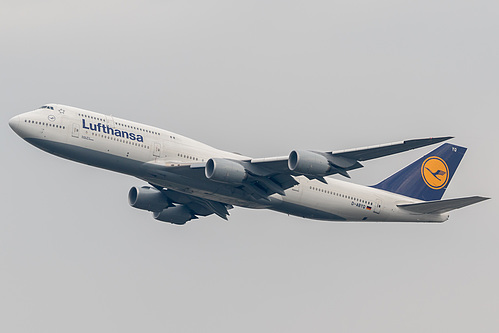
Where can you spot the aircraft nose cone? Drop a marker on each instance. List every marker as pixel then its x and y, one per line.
pixel 14 123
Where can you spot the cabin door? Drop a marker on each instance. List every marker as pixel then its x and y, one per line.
pixel 377 206
pixel 110 121
pixel 157 149
pixel 75 131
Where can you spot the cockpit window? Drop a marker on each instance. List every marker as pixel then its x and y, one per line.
pixel 47 107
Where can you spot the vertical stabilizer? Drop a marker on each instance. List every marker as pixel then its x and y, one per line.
pixel 427 178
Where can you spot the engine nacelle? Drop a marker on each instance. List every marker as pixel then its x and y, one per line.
pixel 225 171
pixel 177 215
pixel 308 163
pixel 147 198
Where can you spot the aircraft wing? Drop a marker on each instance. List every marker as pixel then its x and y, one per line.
pixel 342 161
pixel 262 177
pixel 369 153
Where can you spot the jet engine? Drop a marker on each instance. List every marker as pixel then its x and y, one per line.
pixel 225 171
pixel 147 198
pixel 308 163
pixel 176 215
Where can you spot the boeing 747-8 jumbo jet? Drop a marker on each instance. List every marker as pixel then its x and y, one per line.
pixel 187 179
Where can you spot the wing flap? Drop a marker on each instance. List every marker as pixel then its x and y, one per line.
pixel 196 205
pixel 441 206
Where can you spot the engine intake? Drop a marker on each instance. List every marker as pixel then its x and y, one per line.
pixel 308 163
pixel 147 198
pixel 225 171
pixel 175 215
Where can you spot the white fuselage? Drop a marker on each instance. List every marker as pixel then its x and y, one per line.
pixel 125 146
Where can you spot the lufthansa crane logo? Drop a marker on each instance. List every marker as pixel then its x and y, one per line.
pixel 435 172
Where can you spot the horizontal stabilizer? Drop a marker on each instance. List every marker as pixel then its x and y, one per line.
pixel 441 206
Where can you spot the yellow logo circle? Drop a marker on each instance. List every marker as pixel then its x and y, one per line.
pixel 435 172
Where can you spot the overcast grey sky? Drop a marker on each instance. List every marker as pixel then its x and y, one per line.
pixel 260 78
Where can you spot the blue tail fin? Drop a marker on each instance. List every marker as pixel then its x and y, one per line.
pixel 427 178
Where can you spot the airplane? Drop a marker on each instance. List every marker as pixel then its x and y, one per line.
pixel 188 179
